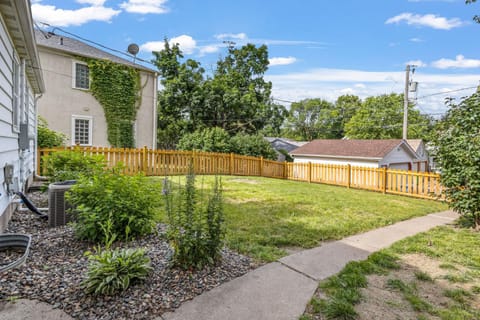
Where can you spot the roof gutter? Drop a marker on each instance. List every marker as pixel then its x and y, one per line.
pixel 334 157
pixel 26 25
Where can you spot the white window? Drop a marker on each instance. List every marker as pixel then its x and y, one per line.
pixel 16 96
pixel 82 130
pixel 81 75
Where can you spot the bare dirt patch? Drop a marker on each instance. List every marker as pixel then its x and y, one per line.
pixel 382 302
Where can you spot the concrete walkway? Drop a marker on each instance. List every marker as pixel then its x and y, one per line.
pixel 278 290
pixel 281 290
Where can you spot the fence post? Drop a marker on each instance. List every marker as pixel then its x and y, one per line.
pixel 38 162
pixel 232 162
pixel 285 170
pixel 145 160
pixel 384 182
pixel 261 166
pixel 193 161
pixel 309 172
pixel 349 176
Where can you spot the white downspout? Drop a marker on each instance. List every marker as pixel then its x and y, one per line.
pixel 155 93
pixel 21 110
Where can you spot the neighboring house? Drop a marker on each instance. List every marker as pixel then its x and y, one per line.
pixel 20 85
pixel 283 145
pixel 393 154
pixel 70 108
pixel 423 157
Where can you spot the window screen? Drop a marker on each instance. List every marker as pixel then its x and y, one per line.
pixel 81 76
pixel 82 131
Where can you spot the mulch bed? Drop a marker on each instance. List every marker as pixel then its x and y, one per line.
pixel 57 265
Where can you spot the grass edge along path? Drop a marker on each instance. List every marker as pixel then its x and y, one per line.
pixel 267 218
pixel 449 245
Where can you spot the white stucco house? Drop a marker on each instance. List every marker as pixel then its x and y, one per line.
pixel 392 154
pixel 21 84
pixel 68 105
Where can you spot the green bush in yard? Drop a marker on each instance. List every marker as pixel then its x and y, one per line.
pixel 457 151
pixel 128 201
pixel 112 271
pixel 70 165
pixel 196 231
pixel 48 138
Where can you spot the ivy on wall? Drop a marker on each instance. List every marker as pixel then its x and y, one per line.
pixel 117 88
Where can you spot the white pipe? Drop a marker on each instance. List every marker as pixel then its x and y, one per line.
pixel 155 93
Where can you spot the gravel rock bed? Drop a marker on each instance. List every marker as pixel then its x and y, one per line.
pixel 56 266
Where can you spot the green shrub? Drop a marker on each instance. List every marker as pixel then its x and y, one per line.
pixel 196 232
pixel 48 138
pixel 111 271
pixel 70 165
pixel 128 201
pixel 208 140
pixel 252 145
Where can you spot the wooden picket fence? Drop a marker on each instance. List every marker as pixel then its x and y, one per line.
pixel 173 162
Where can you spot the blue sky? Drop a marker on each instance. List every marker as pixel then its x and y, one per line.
pixel 317 48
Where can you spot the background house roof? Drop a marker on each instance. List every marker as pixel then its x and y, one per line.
pixel 415 143
pixel 76 47
pixel 349 148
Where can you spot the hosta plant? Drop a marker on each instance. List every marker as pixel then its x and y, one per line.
pixel 112 271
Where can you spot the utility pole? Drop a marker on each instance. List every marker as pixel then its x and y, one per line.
pixel 405 102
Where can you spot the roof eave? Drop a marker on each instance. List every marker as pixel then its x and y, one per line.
pixel 335 157
pixel 19 22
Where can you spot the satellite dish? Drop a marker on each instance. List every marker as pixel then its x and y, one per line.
pixel 133 49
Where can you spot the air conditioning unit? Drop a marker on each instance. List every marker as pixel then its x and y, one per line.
pixel 58 208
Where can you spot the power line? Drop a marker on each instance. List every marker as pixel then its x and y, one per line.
pixel 93 42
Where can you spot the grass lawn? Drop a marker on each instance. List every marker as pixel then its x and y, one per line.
pixel 265 217
pixel 433 275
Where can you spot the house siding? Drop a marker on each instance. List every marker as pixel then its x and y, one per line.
pixel 23 161
pixel 61 101
pixel 336 161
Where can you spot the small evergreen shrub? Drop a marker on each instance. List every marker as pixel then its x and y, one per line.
pixel 70 165
pixel 128 201
pixel 112 271
pixel 196 231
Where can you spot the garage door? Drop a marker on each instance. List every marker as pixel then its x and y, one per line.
pixel 399 166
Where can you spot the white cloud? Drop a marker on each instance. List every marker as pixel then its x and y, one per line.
pixel 427 20
pixel 234 36
pixel 186 43
pixel 95 3
pixel 282 61
pixel 417 63
pixel 64 18
pixel 331 83
pixel 416 40
pixel 459 62
pixel 208 49
pixel 144 6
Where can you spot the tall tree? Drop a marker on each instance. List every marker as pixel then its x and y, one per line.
pixel 181 94
pixel 381 117
pixel 237 98
pixel 312 119
pixel 457 151
pixel 346 106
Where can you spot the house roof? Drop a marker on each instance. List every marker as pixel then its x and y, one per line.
pixel 376 149
pixel 415 143
pixel 18 19
pixel 79 48
pixel 290 141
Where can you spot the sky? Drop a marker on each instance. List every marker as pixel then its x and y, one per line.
pixel 317 48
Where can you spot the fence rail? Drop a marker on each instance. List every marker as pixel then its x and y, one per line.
pixel 169 162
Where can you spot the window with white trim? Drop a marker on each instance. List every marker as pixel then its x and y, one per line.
pixel 16 99
pixel 81 75
pixel 82 130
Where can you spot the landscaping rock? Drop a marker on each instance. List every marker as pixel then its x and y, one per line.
pixel 57 265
